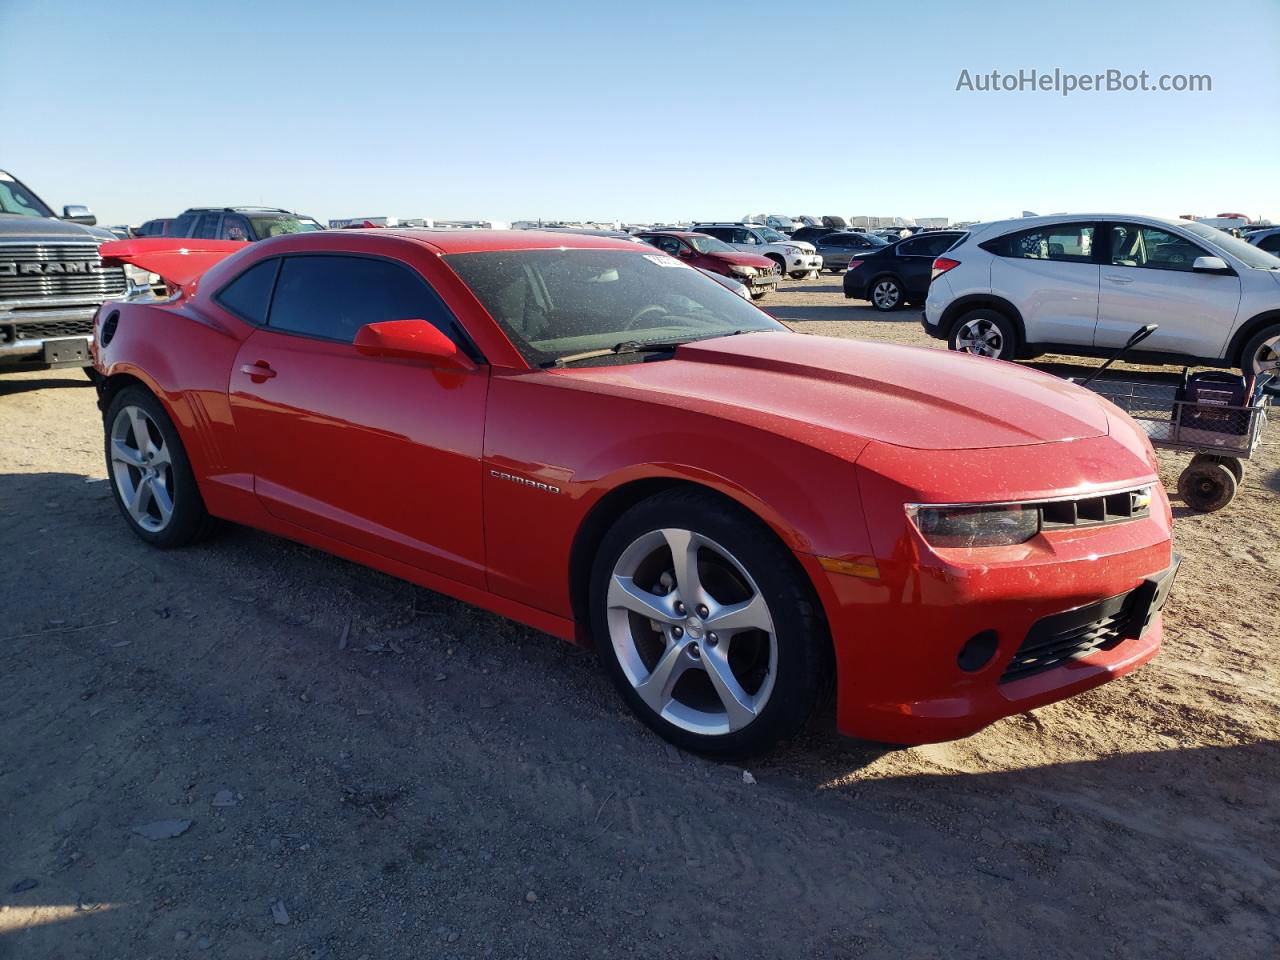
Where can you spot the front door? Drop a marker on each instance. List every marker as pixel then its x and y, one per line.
pixel 380 453
pixel 1148 279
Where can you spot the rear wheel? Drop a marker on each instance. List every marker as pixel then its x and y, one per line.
pixel 1207 487
pixel 887 294
pixel 706 625
pixel 985 333
pixel 150 474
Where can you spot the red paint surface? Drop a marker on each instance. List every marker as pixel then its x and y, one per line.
pixel 391 462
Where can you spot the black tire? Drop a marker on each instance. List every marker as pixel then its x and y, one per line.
pixel 887 294
pixel 760 294
pixel 1004 344
pixel 803 663
pixel 1255 357
pixel 189 521
pixel 92 374
pixel 1231 463
pixel 1206 487
pixel 780 263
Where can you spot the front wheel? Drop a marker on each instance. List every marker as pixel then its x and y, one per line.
pixel 984 333
pixel 1262 353
pixel 150 474
pixel 706 625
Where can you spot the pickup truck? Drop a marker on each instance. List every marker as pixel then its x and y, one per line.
pixel 52 281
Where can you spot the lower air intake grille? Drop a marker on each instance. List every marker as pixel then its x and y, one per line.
pixel 49 329
pixel 1068 636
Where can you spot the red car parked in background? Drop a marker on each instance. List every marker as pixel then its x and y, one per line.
pixel 759 274
pixel 584 435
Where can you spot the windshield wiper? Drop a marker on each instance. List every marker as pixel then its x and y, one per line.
pixel 634 346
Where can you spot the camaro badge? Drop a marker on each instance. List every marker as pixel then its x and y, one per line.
pixel 524 481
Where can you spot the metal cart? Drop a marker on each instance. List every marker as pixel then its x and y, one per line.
pixel 1219 434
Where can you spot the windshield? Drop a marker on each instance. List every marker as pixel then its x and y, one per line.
pixel 773 236
pixel 553 303
pixel 275 226
pixel 308 225
pixel 1242 250
pixel 19 201
pixel 709 245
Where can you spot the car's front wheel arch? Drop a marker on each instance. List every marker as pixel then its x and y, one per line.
pixel 791 681
pixel 1248 331
pixel 605 512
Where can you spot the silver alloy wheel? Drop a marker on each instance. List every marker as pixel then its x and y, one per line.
pixel 692 632
pixel 141 468
pixel 1267 359
pixel 886 294
pixel 980 336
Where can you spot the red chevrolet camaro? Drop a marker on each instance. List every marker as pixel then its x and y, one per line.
pixel 588 436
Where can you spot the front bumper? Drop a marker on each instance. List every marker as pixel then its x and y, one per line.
pixel 903 622
pixel 44 339
pixel 803 263
pixel 904 684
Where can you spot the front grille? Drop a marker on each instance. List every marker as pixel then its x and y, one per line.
pixel 1063 637
pixel 23 273
pixel 1090 511
pixel 50 329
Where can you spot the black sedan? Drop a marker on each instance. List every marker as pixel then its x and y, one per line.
pixel 837 249
pixel 898 273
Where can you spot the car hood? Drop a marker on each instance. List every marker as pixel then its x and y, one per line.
pixel 913 397
pixel 742 259
pixel 41 229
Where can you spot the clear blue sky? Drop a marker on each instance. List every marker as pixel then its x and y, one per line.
pixel 636 111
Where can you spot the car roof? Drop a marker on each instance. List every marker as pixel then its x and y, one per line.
pixel 672 233
pixel 237 210
pixel 447 241
pixel 1072 217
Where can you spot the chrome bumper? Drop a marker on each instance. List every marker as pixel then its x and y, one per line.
pixel 31 348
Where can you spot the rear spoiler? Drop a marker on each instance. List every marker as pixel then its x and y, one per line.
pixel 178 260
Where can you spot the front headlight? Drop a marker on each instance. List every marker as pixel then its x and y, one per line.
pixel 743 271
pixel 793 250
pixel 975 526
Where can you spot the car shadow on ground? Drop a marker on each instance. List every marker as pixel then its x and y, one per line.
pixel 13 386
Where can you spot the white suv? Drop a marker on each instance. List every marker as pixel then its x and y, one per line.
pixel 1082 284
pixel 795 258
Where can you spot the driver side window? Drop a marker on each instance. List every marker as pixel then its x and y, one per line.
pixel 668 245
pixel 332 296
pixel 1134 245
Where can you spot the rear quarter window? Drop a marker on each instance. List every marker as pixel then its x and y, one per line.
pixel 248 296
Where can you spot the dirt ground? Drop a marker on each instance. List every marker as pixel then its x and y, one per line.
pixel 450 784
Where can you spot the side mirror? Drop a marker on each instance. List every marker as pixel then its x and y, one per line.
pixel 411 340
pixel 78 214
pixel 1210 265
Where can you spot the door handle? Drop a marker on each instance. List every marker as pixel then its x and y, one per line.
pixel 258 372
pixel 1121 279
